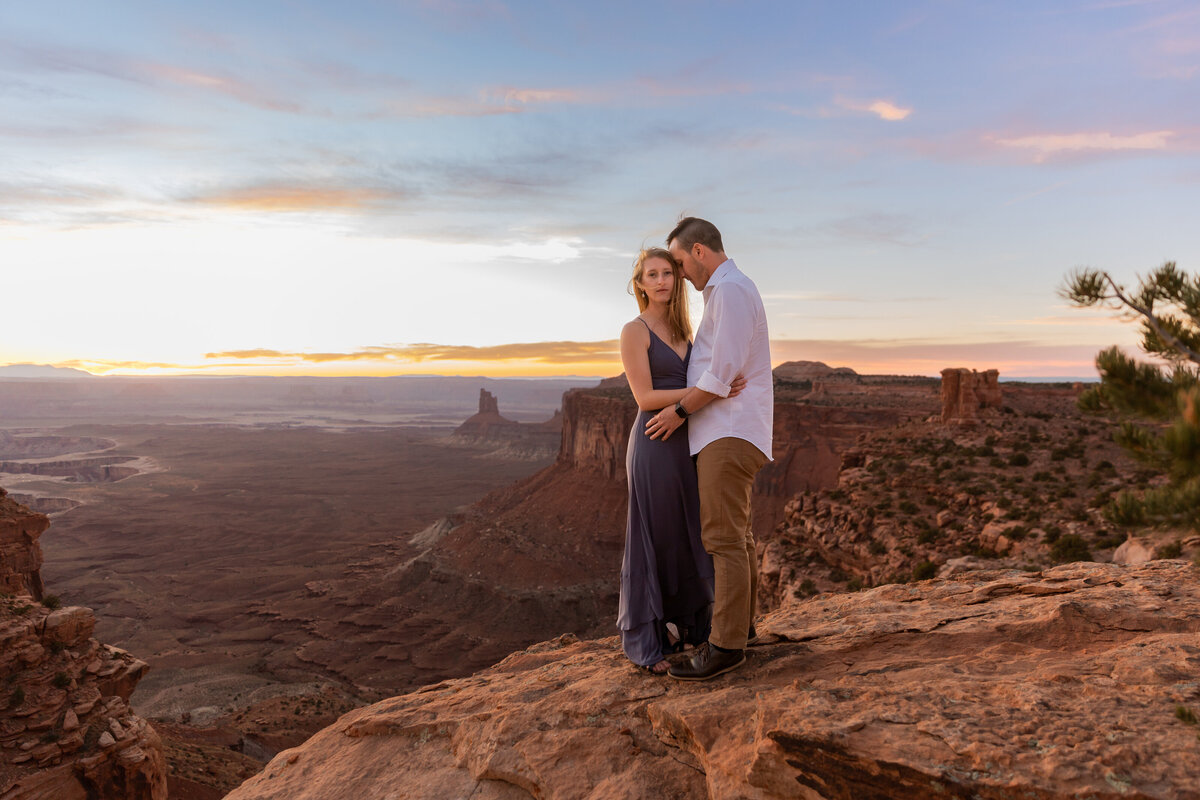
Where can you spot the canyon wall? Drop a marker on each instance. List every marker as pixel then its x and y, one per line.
pixel 66 729
pixel 595 432
pixel 20 553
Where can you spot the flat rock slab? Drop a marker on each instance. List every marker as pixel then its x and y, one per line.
pixel 1053 685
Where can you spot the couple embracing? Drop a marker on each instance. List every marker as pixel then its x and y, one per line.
pixel 689 575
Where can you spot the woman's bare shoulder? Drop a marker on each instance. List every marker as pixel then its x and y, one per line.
pixel 636 329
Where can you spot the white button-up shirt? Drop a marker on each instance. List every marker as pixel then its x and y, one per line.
pixel 732 339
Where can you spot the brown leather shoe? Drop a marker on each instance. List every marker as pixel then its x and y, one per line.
pixel 751 636
pixel 709 662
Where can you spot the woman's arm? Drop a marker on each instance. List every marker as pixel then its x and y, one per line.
pixel 635 342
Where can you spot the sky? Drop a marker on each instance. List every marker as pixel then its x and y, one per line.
pixel 416 186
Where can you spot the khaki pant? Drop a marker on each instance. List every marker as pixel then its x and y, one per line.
pixel 725 470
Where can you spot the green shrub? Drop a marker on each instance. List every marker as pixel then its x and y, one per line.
pixel 1172 550
pixel 1070 547
pixel 1016 533
pixel 61 680
pixel 1126 509
pixel 924 571
pixel 52 602
pixel 1185 715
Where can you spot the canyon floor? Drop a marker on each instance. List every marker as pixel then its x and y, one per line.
pixel 178 560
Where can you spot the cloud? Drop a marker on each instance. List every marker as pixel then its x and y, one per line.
pixel 867 356
pixel 101 366
pixel 1046 146
pixel 55 194
pixel 488 101
pixel 238 89
pixel 92 130
pixel 537 352
pixel 154 74
pixel 299 197
pixel 876 227
pixel 509 95
pixel 883 109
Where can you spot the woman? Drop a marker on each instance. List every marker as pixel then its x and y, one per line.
pixel 666 577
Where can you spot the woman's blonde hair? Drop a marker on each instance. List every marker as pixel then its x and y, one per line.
pixel 677 307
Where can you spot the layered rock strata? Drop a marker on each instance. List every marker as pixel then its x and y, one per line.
pixel 1074 682
pixel 66 729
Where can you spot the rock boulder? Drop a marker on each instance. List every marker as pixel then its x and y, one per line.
pixel 1054 685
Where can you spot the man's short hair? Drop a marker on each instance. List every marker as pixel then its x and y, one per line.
pixel 693 229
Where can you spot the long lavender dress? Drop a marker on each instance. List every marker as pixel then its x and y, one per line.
pixel 665 575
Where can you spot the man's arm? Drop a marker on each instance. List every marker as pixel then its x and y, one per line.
pixel 667 421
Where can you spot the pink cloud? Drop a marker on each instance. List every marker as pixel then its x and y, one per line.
pixel 884 109
pixel 1045 146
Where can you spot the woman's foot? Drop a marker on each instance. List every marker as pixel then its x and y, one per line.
pixel 656 669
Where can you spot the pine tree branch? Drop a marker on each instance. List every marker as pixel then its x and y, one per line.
pixel 1153 322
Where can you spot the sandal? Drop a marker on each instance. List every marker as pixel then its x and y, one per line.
pixel 654 669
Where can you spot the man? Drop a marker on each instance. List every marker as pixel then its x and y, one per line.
pixel 731 440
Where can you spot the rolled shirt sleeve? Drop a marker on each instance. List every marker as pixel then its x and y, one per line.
pixel 733 311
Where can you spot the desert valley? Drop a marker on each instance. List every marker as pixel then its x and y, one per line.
pixel 423 580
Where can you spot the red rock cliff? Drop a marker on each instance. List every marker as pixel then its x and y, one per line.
pixel 66 729
pixel 595 430
pixel 20 553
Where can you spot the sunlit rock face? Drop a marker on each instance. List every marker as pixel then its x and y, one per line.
pixel 966 392
pixel 1053 685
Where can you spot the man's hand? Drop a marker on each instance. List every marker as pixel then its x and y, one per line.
pixel 663 424
pixel 736 387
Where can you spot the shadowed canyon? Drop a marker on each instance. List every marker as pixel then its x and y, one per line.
pixel 283 563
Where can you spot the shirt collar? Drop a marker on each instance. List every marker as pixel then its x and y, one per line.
pixel 719 274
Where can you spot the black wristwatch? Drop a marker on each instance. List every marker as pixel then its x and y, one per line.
pixel 680 410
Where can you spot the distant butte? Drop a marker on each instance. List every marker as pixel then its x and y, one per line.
pixel 523 439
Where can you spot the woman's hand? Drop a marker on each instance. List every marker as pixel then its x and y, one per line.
pixel 736 387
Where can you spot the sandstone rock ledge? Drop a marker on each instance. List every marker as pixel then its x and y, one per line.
pixel 1060 684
